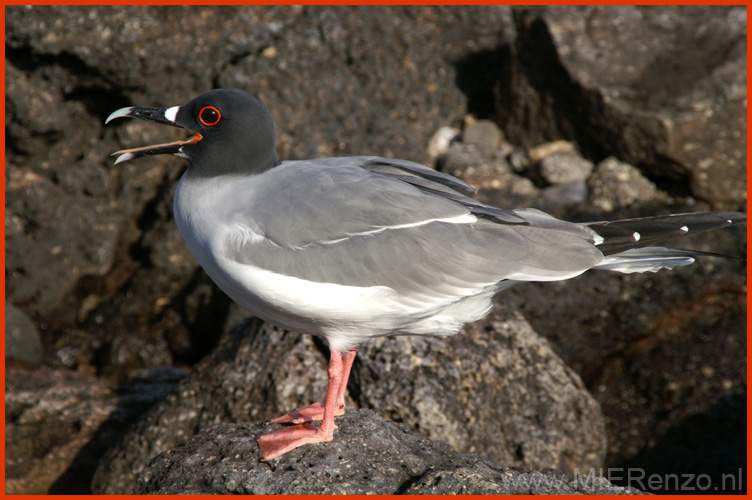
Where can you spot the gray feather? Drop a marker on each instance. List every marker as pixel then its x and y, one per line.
pixel 315 234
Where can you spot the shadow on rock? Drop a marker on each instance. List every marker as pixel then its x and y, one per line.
pixel 701 454
pixel 60 423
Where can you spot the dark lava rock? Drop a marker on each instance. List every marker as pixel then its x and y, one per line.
pixel 50 416
pixel 495 389
pixel 483 132
pixel 59 423
pixel 616 184
pixel 368 455
pixel 662 88
pixel 720 431
pixel 484 167
pixel 565 168
pixel 22 339
pixel 572 192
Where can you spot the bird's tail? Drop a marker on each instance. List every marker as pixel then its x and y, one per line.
pixel 627 243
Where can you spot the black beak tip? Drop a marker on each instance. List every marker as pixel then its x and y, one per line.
pixel 158 115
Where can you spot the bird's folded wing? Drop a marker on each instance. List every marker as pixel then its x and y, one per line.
pixel 330 223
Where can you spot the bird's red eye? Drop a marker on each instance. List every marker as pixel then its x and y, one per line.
pixel 209 116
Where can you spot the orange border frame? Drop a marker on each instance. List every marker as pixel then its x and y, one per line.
pixel 236 2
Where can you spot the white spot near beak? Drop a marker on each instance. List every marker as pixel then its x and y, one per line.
pixel 684 229
pixel 171 113
pixel 636 236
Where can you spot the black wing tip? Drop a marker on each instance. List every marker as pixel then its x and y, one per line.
pixel 623 234
pixel 423 171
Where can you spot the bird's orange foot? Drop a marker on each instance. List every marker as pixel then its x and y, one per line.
pixel 280 442
pixel 311 413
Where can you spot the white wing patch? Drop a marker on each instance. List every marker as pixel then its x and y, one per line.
pixel 242 235
pixel 467 218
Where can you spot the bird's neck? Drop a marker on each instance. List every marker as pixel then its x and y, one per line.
pixel 212 164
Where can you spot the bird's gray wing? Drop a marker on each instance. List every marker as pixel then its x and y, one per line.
pixel 331 221
pixel 432 181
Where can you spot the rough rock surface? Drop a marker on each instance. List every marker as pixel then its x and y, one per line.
pixel 22 339
pixel 565 168
pixel 368 455
pixel 616 184
pixel 495 389
pixel 663 88
pixel 483 132
pixel 484 167
pixel 566 194
pixel 59 423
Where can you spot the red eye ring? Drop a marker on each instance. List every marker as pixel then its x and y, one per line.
pixel 209 116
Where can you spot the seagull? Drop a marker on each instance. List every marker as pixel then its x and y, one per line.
pixel 359 247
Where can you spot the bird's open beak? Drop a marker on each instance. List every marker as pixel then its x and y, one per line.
pixel 159 115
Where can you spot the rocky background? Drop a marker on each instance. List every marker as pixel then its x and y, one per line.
pixel 124 364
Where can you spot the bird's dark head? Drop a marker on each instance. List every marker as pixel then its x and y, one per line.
pixel 234 133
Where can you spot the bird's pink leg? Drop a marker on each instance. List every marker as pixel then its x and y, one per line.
pixel 347 362
pixel 315 412
pixel 280 442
